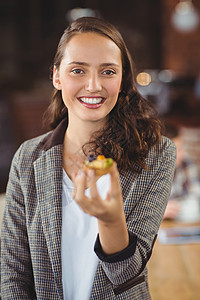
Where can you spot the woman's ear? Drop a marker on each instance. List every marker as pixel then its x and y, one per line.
pixel 56 79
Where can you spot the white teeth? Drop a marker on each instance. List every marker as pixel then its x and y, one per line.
pixel 91 100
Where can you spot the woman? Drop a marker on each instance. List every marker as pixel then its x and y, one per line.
pixel 56 213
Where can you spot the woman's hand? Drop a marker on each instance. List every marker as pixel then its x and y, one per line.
pixel 107 210
pixel 113 232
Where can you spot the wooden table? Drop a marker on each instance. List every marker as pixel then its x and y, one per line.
pixel 174 270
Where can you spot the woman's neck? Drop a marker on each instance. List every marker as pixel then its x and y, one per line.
pixel 78 134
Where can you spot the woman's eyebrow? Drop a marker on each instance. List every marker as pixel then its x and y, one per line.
pixel 81 63
pixel 78 63
pixel 109 65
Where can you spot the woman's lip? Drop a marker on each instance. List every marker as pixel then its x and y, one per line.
pixel 92 105
pixel 91 99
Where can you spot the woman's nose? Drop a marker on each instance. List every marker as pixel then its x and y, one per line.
pixel 93 83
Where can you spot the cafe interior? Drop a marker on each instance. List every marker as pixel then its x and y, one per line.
pixel 163 37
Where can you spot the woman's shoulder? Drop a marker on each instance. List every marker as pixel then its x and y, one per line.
pixel 31 149
pixel 36 140
pixel 167 144
pixel 164 146
pixel 34 143
pixel 165 150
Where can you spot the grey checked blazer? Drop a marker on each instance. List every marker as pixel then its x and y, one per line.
pixel 31 230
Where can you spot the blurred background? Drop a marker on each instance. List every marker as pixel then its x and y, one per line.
pixel 163 37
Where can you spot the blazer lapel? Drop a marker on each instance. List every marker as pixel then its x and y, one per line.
pixel 48 176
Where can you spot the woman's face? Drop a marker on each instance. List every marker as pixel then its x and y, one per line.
pixel 89 77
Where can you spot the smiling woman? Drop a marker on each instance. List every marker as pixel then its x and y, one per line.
pixel 68 233
pixel 90 85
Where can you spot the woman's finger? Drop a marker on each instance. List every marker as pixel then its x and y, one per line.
pixel 92 184
pixel 80 185
pixel 115 187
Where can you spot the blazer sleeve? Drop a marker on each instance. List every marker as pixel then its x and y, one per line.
pixel 144 207
pixel 16 268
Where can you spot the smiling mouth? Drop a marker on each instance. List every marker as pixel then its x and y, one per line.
pixel 89 100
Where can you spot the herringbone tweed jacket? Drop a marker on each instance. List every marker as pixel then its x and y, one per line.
pixel 31 230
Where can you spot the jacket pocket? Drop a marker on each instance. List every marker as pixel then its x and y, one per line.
pixel 128 285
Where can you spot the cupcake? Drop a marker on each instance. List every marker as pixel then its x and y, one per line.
pixel 100 164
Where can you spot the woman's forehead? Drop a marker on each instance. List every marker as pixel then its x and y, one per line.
pixel 92 45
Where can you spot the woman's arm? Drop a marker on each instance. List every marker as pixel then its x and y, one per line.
pixel 16 268
pixel 113 233
pixel 145 199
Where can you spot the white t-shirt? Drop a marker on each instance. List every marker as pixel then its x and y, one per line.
pixel 79 232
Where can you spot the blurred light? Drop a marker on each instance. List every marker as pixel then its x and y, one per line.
pixel 154 85
pixel 165 76
pixel 78 12
pixel 185 17
pixel 143 78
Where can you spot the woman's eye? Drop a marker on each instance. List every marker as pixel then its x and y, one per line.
pixel 109 72
pixel 77 71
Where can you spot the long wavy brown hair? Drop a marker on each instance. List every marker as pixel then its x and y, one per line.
pixel 132 127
